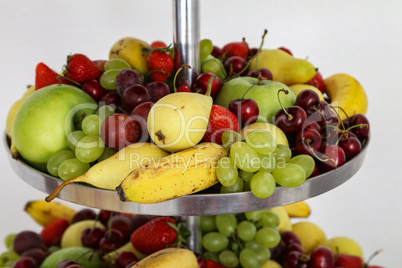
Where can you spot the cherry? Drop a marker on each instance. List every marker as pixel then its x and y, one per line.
pixel 350 144
pixel 140 114
pixel 25 262
pixel 201 261
pixel 112 240
pixel 138 220
pixel 253 51
pixel 93 89
pixel 331 157
pixel 26 240
pixel 289 237
pixel 37 254
pixel 359 125
pixel 105 215
pixel 134 95
pixel 124 258
pixel 122 224
pixel 344 260
pixel 289 119
pixel 308 99
pixel 311 124
pixel 295 247
pixel 84 214
pixel 327 114
pixel 235 65
pixel 295 259
pixel 216 52
pixel 318 82
pixel 183 89
pixel 90 237
pixel 308 141
pixel 322 257
pixel 158 90
pixel 316 172
pixel 246 110
pixel 201 84
pixel 261 73
pixel 66 263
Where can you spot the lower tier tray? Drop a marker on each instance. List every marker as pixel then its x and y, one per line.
pixel 191 205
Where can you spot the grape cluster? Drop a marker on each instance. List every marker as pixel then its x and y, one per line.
pixel 240 240
pixel 258 164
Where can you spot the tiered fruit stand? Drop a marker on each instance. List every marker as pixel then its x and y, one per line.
pixel 186 40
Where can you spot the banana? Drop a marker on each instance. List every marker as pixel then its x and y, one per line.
pixel 132 50
pixel 109 173
pixel 284 220
pixel 169 258
pixel 11 116
pixel 44 213
pixel 175 175
pixel 346 92
pixel 299 209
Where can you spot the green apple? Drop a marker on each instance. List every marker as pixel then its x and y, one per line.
pixel 264 92
pixel 45 119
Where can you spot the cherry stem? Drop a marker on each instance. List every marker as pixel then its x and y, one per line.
pixel 372 257
pixel 209 87
pixel 247 91
pixel 337 114
pixel 358 125
pixel 307 141
pixel 175 76
pixel 290 117
pixel 239 73
pixel 260 47
pixel 343 110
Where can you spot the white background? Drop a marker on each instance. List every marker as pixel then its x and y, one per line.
pixel 361 38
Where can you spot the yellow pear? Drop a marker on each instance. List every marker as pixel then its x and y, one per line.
pixel 276 132
pixel 271 264
pixel 284 67
pixel 310 235
pixel 179 120
pixel 344 245
pixel 297 88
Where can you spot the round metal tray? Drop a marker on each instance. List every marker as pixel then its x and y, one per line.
pixel 191 205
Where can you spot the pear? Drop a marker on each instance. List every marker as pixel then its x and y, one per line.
pixel 284 67
pixel 179 120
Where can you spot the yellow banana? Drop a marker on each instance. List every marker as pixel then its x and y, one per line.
pixel 132 50
pixel 175 175
pixel 284 220
pixel 346 92
pixel 299 209
pixel 11 115
pixel 44 213
pixel 109 173
pixel 169 258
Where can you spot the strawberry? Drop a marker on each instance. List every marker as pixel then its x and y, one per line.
pixel 220 120
pixel 160 65
pixel 286 50
pixel 44 76
pixel 212 264
pixel 158 44
pixel 80 68
pixel 52 233
pixel 240 49
pixel 318 82
pixel 154 235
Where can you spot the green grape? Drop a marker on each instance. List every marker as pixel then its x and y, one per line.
pixel 74 137
pixel 262 184
pixel 246 230
pixel 9 239
pixel 247 186
pixel 4 256
pixel 208 255
pixel 213 65
pixel 229 137
pixel 238 186
pixel 253 215
pixel 246 176
pixel 291 175
pixel 72 168
pixel 91 125
pixel 261 141
pixel 2 263
pixel 282 154
pixel 263 254
pixel 215 241
pixel 305 161
pixel 12 255
pixel 104 112
pixel 245 157
pixel 206 48
pixel 226 172
pixel 207 223
pixel 268 237
pixel 269 219
pixel 234 246
pixel 228 258
pixel 268 162
pixel 117 63
pixel 107 152
pixel 89 148
pixel 108 79
pixel 226 223
pixel 248 259
pixel 58 158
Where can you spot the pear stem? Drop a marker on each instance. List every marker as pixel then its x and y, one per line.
pixel 209 87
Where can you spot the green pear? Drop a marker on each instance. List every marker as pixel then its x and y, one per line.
pixel 179 120
pixel 84 256
pixel 264 92
pixel 284 67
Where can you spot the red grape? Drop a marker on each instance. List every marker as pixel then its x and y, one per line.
pixel 84 214
pixel 37 254
pixel 140 114
pixel 158 90
pixel 119 130
pixel 93 89
pixel 25 262
pixel 126 78
pixel 26 240
pixel 134 95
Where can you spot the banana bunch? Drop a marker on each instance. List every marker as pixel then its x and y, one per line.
pixel 44 213
pixel 175 175
pixel 132 50
pixel 109 173
pixel 11 115
pixel 346 92
pixel 169 258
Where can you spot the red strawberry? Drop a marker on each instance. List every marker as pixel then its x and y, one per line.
pixel 160 65
pixel 286 50
pixel 44 76
pixel 212 264
pixel 235 49
pixel 158 44
pixel 52 233
pixel 318 82
pixel 80 68
pixel 220 120
pixel 154 235
pixel 183 89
